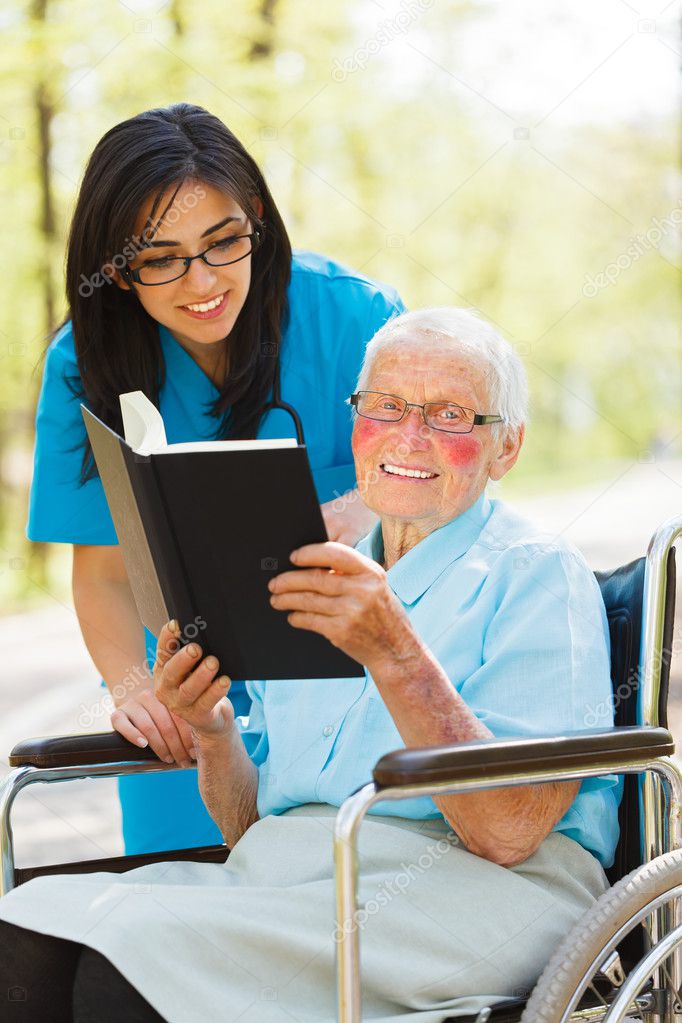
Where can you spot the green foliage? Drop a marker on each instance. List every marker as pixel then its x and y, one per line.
pixel 381 154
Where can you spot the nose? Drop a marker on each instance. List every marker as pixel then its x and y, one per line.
pixel 200 279
pixel 414 430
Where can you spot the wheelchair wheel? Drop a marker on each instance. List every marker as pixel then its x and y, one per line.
pixel 587 968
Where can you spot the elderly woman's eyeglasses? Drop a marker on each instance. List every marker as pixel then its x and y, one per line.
pixel 170 268
pixel 438 415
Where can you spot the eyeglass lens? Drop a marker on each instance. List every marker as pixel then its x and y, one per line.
pixel 440 415
pixel 169 268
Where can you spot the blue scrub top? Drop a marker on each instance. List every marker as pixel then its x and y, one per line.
pixel 334 312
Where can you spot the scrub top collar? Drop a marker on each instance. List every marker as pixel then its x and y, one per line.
pixel 417 570
pixel 180 364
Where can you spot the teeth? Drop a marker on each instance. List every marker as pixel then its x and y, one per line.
pixel 417 473
pixel 204 307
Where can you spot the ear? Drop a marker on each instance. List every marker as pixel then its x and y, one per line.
pixel 258 206
pixel 506 458
pixel 115 276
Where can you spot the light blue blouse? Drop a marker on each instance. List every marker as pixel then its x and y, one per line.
pixel 333 313
pixel 516 620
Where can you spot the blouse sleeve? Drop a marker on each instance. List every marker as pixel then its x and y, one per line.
pixel 545 665
pixel 252 728
pixel 60 509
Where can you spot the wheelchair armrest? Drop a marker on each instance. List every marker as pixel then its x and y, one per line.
pixel 78 750
pixel 612 747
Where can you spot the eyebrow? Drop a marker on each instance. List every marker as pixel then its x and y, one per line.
pixel 209 230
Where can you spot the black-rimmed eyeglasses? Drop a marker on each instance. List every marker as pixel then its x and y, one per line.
pixel 438 415
pixel 165 269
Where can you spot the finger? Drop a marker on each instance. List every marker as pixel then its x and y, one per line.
pixel 179 666
pixel 311 621
pixel 331 555
pixel 318 580
pixel 163 720
pixel 168 643
pixel 140 720
pixel 125 727
pixel 198 681
pixel 306 601
pixel 186 735
pixel 215 692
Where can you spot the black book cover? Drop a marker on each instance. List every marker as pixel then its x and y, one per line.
pixel 202 533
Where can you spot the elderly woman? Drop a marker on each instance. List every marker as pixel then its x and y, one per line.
pixel 470 625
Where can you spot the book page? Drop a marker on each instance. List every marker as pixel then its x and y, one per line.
pixel 146 434
pixel 228 445
pixel 142 423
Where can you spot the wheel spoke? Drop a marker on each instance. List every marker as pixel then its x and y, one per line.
pixel 598 996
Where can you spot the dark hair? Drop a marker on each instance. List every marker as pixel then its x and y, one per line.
pixel 116 341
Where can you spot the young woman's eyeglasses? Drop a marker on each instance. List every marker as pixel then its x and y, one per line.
pixel 438 415
pixel 165 269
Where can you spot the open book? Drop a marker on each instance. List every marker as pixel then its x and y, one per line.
pixel 203 527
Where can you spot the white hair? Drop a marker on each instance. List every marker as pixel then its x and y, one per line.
pixel 464 331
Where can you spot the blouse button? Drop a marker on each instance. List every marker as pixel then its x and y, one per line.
pixel 327 731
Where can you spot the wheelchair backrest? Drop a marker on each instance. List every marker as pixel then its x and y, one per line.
pixel 623 594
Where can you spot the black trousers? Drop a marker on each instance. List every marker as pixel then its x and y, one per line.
pixel 50 980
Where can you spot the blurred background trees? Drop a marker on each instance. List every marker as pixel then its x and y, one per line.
pixel 515 156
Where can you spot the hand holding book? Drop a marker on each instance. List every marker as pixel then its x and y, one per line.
pixel 189 685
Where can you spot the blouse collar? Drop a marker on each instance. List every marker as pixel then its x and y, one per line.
pixel 417 570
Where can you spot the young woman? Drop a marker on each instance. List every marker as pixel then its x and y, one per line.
pixel 181 283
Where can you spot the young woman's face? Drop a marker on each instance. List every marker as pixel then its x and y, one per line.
pixel 200 216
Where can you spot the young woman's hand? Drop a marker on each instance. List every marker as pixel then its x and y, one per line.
pixel 142 718
pixel 347 518
pixel 188 688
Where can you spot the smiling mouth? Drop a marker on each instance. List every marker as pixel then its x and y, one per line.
pixel 205 307
pixel 401 470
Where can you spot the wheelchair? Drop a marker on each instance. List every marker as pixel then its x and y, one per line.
pixel 623 959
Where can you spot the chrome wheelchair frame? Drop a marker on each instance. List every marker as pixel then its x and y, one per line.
pixel 645 748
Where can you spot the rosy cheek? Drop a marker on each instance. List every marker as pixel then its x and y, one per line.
pixel 367 434
pixel 459 449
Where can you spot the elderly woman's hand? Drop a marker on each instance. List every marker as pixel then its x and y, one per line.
pixel 344 596
pixel 187 685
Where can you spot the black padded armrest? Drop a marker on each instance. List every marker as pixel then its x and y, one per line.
pixel 79 750
pixel 611 747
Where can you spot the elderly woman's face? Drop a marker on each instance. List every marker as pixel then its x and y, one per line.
pixel 458 465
